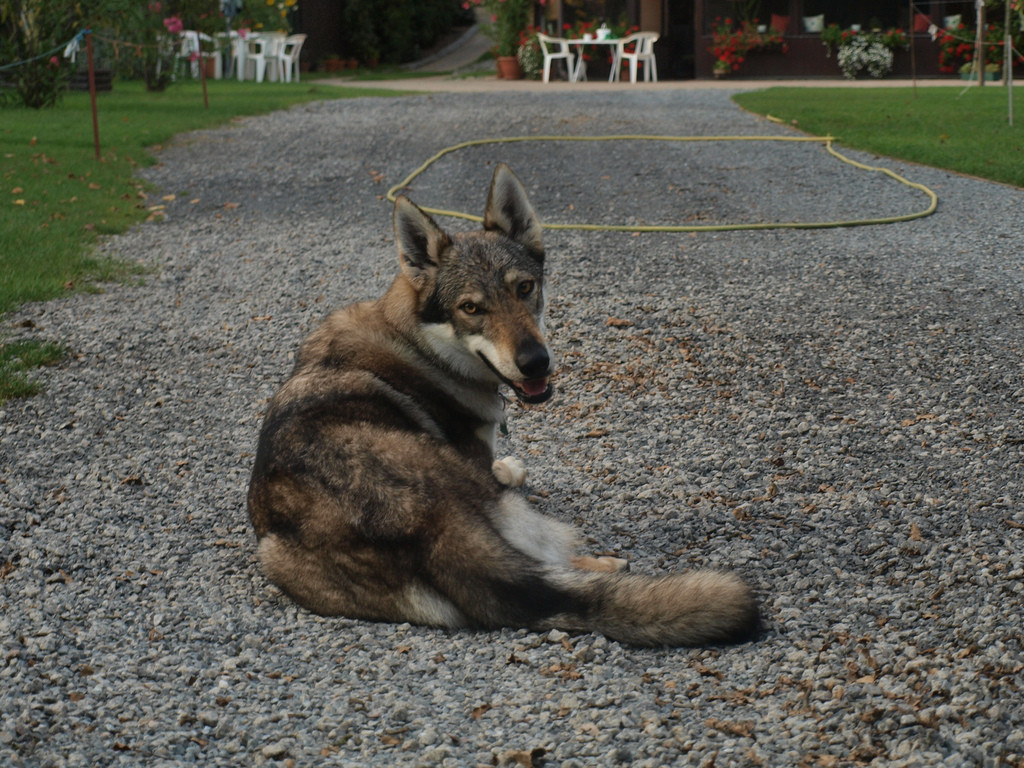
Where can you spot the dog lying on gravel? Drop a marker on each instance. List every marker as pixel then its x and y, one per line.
pixel 375 493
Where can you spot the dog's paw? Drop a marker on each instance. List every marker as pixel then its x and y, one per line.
pixel 600 564
pixel 510 471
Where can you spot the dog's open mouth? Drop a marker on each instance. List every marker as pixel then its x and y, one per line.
pixel 528 391
pixel 533 391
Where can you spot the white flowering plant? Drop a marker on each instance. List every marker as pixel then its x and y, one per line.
pixel 865 54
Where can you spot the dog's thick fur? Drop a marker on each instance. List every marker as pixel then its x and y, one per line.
pixel 375 493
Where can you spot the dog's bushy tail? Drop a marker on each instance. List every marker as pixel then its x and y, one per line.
pixel 696 608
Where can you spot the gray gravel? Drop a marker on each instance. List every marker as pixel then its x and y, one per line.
pixel 837 414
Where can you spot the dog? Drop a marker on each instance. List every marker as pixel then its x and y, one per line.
pixel 375 494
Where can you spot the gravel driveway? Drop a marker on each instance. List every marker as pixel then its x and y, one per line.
pixel 836 414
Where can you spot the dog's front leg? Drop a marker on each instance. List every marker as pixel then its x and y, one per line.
pixel 510 471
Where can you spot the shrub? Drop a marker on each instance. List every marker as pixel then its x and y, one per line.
pixel 33 33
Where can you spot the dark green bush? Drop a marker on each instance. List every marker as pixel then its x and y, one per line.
pixel 28 30
pixel 395 31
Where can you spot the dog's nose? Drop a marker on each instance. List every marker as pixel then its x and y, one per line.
pixel 532 359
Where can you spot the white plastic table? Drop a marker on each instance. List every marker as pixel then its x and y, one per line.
pixel 580 68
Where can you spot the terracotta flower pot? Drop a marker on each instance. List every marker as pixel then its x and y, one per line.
pixel 508 68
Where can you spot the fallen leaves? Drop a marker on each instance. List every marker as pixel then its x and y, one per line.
pixel 521 757
pixel 706 671
pixel 566 670
pixel 744 728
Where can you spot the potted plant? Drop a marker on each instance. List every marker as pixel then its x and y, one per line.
pixel 969 72
pixel 956 48
pixel 332 62
pixel 508 20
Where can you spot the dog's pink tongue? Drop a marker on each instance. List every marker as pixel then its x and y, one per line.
pixel 534 387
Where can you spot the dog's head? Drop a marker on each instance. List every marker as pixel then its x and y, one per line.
pixel 480 295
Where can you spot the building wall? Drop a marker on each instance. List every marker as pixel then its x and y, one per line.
pixel 321 21
pixel 650 16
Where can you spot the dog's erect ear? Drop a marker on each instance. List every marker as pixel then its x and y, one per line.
pixel 509 211
pixel 420 241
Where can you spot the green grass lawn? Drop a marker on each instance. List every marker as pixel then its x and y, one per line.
pixel 963 130
pixel 57 199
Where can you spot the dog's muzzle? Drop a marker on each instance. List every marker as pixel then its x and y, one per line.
pixel 534 363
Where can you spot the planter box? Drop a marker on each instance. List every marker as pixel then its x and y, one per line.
pixel 806 59
pixel 104 80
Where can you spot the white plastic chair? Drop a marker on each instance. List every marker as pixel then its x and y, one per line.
pixel 190 48
pixel 643 51
pixel 261 51
pixel 288 57
pixel 192 52
pixel 239 49
pixel 550 54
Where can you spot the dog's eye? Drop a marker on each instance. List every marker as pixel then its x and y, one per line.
pixel 525 288
pixel 469 308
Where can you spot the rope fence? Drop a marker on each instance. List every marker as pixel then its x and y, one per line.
pixel 69 48
pixel 70 51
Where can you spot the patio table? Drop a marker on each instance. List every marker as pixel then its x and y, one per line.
pixel 579 70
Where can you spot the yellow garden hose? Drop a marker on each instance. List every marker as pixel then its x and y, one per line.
pixel 826 140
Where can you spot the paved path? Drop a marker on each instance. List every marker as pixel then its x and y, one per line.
pixel 481 84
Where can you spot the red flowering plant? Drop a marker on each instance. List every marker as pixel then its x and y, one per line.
pixel 731 43
pixel 956 48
